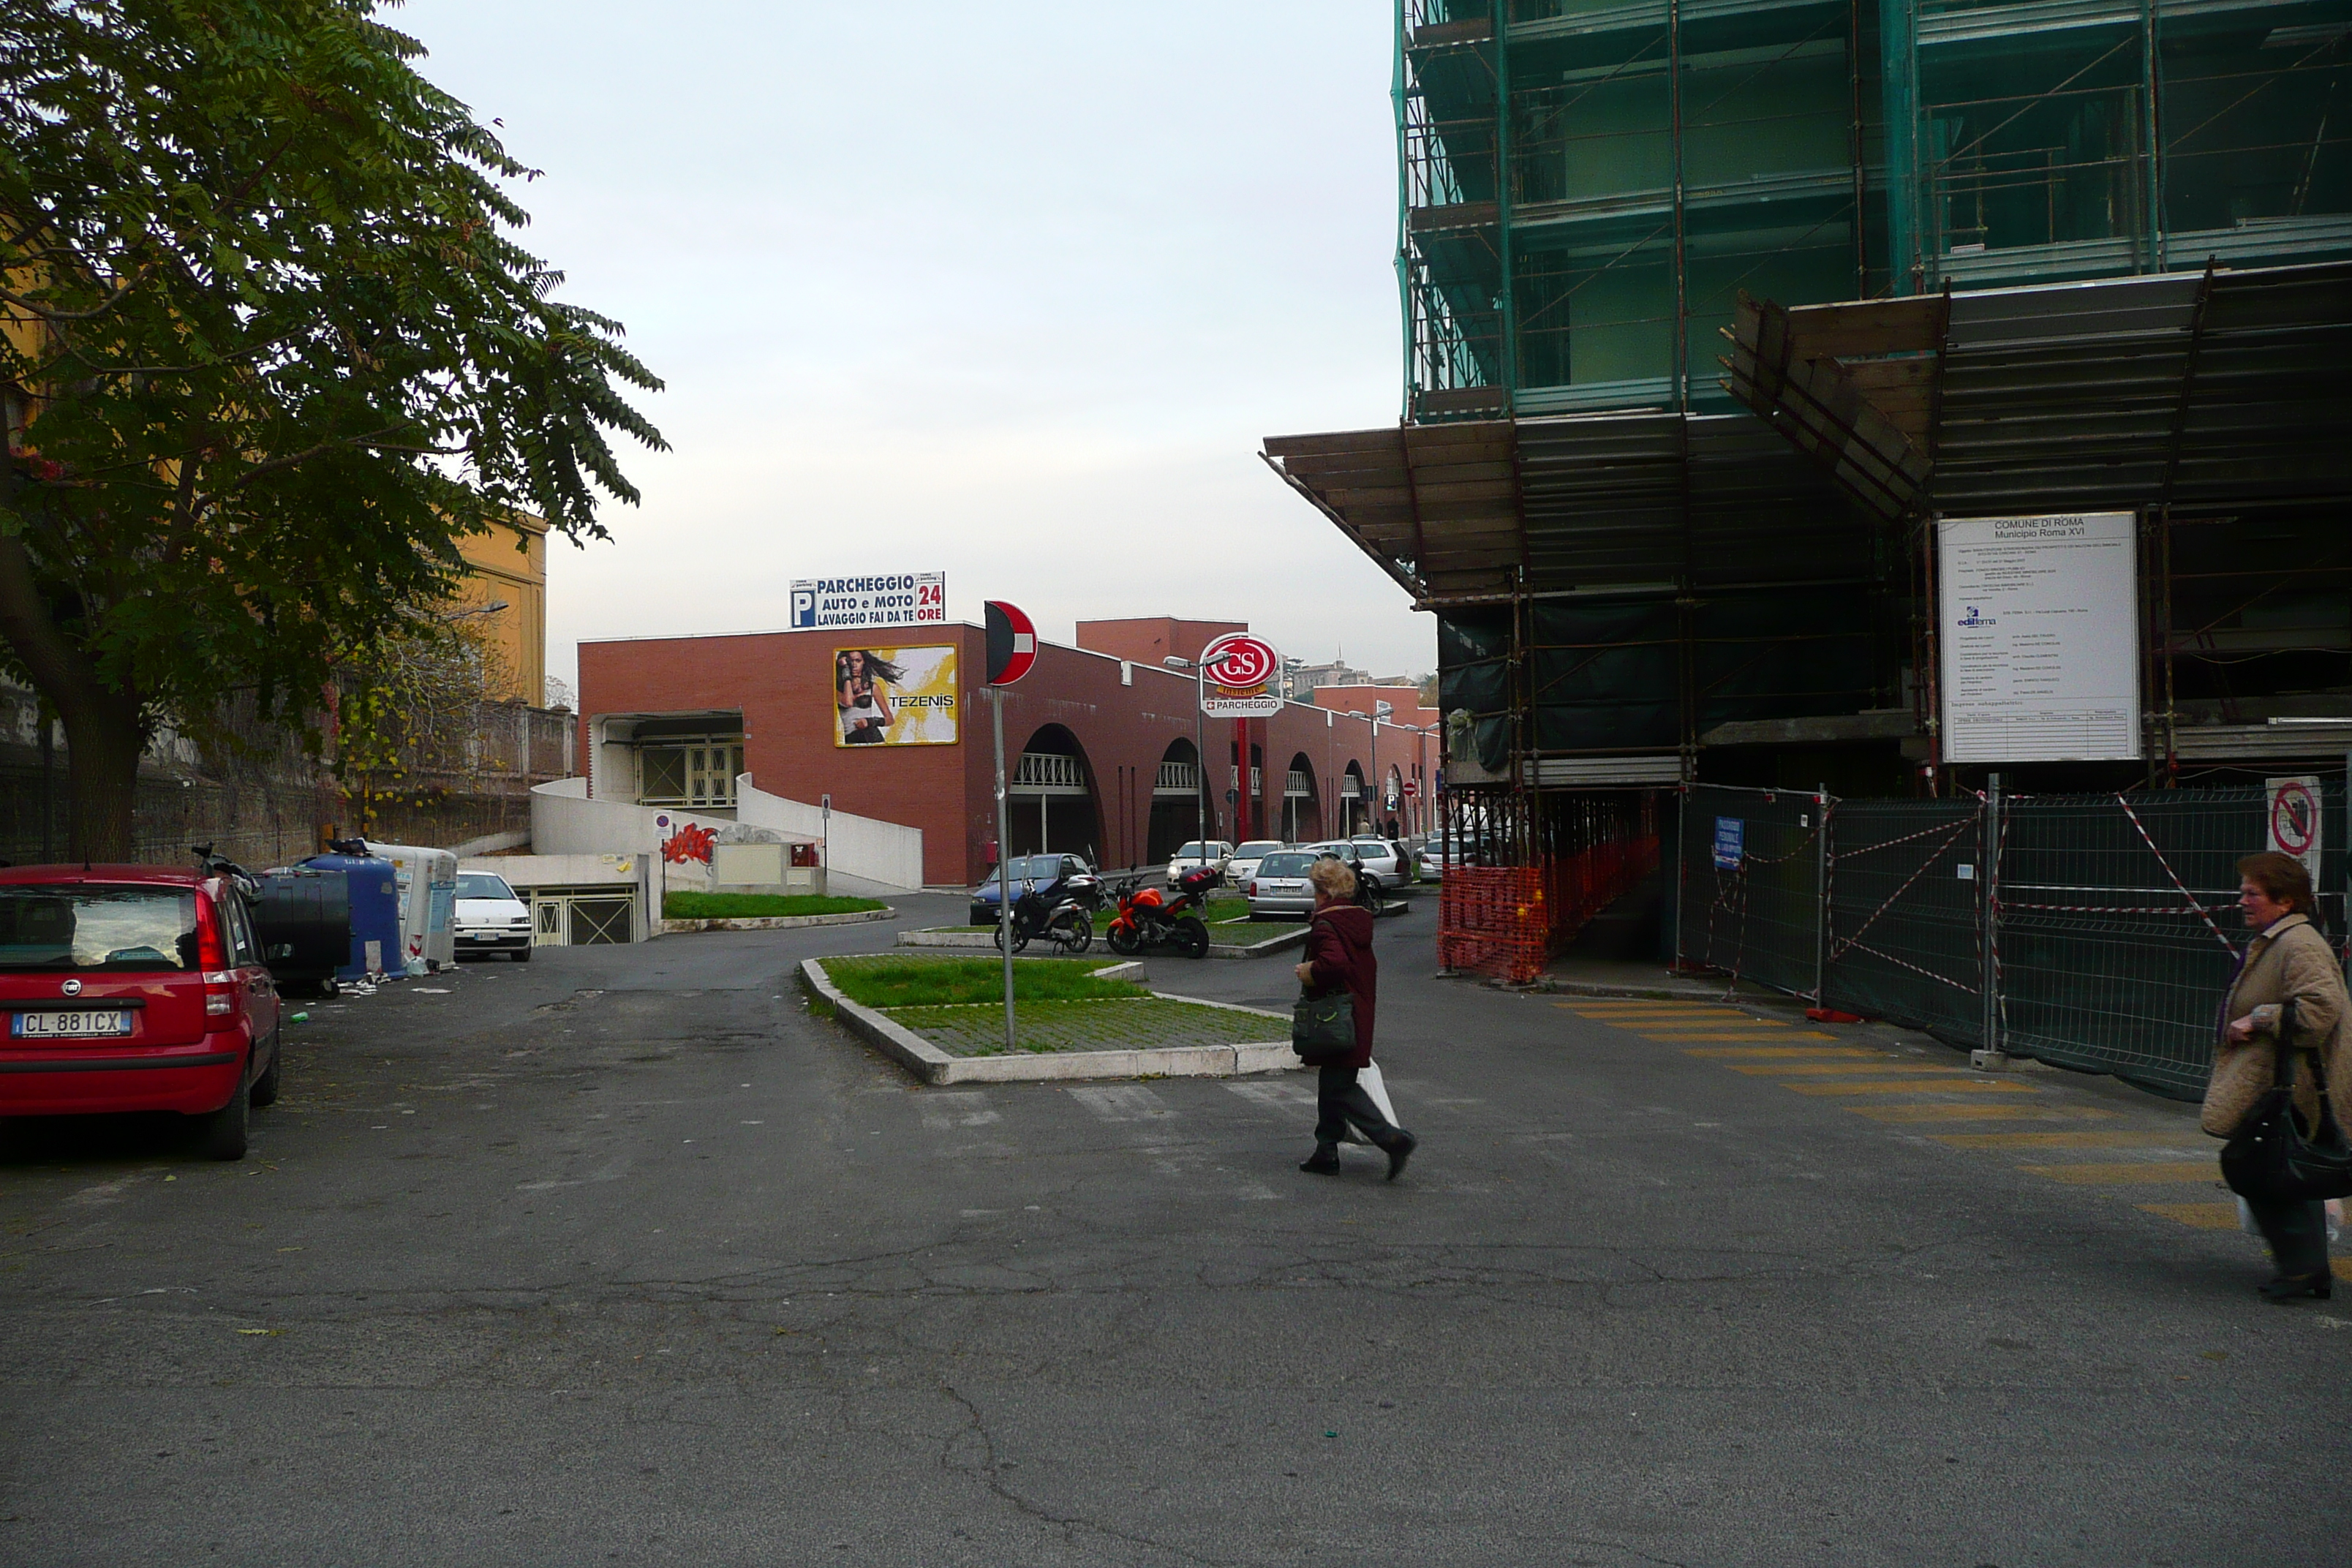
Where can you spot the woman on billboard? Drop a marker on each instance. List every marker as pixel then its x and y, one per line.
pixel 859 676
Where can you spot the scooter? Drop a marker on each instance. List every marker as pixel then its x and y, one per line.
pixel 1149 918
pixel 1066 924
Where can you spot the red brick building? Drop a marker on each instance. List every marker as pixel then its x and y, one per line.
pixel 1100 750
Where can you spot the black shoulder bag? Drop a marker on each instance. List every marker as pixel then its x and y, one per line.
pixel 2270 1158
pixel 1323 1029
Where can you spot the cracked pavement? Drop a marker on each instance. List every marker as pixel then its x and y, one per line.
pixel 621 1256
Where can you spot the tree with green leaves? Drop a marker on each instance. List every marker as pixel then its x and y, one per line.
pixel 269 350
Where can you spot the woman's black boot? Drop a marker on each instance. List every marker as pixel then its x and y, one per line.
pixel 1398 1146
pixel 2295 1287
pixel 1324 1162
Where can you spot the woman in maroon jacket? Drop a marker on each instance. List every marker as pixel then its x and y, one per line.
pixel 1339 956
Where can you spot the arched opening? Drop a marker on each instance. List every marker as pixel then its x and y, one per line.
pixel 1392 813
pixel 1050 798
pixel 1302 809
pixel 1354 806
pixel 1175 800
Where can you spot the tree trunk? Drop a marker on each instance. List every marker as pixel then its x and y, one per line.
pixel 104 729
pixel 103 742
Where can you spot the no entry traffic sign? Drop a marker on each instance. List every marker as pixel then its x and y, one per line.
pixel 1011 642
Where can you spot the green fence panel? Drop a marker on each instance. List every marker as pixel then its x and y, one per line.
pixel 2119 927
pixel 1749 902
pixel 1906 914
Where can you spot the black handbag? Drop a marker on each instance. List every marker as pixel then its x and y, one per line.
pixel 2270 1158
pixel 1323 1029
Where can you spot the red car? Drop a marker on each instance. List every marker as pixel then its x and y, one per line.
pixel 135 988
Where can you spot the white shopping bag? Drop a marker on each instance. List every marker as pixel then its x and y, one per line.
pixel 2246 1216
pixel 1368 1080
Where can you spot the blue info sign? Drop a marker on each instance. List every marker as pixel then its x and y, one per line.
pixel 1730 837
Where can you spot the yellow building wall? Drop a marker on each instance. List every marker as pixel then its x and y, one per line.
pixel 508 565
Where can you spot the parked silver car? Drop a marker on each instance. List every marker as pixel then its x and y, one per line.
pixel 1280 886
pixel 1392 862
pixel 1370 886
pixel 1243 864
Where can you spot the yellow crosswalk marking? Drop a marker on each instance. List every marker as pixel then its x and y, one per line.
pixel 1749 1051
pixel 2105 1139
pixel 1642 1010
pixel 1673 1037
pixel 2340 1266
pixel 1948 1112
pixel 1683 1025
pixel 2202 1217
pixel 1709 1015
pixel 2130 1173
pixel 1919 1086
pixel 1824 1069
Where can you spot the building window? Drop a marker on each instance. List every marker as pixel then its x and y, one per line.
pixel 691 771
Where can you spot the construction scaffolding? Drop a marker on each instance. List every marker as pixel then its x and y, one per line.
pixel 2021 147
pixel 1585 190
pixel 1580 184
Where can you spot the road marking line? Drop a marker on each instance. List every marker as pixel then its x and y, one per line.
pixel 1762 1030
pixel 1284 1100
pixel 943 1110
pixel 2108 1140
pixel 1949 1112
pixel 2100 1175
pixel 1124 1103
pixel 1634 1006
pixel 1918 1086
pixel 2199 1216
pixel 2341 1268
pixel 1787 1051
pixel 1665 1015
pixel 1850 1069
pixel 1681 1036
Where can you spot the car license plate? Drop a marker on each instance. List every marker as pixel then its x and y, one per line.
pixel 83 1025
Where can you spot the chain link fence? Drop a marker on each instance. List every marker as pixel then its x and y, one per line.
pixel 2095 932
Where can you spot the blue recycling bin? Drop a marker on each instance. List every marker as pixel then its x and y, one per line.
pixel 375 914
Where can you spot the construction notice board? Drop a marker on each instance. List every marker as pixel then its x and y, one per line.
pixel 2038 631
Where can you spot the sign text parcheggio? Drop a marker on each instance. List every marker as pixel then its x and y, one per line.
pixel 889 599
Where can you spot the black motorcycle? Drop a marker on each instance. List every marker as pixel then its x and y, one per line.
pixel 1065 921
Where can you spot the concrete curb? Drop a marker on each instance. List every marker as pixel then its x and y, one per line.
pixel 980 936
pixel 1257 949
pixel 773 922
pixel 934 1065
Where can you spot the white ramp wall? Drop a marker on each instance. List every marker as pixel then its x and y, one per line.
pixel 862 855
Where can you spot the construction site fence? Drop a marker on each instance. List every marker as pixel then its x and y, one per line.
pixel 1581 853
pixel 2097 932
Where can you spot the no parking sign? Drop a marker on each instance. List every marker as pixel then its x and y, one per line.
pixel 2293 808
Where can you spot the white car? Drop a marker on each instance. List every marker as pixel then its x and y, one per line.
pixel 1245 857
pixel 1392 862
pixel 1188 855
pixel 490 918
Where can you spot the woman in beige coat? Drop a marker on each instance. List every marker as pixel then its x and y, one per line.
pixel 2287 960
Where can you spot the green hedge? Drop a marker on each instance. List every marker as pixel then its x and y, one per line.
pixel 888 980
pixel 758 906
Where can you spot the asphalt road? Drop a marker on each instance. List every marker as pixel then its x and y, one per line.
pixel 622 1257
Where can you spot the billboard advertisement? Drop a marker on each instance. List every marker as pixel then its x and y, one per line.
pixel 894 696
pixel 848 604
pixel 1236 670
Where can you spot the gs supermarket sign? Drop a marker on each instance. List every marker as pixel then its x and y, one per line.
pixel 844 604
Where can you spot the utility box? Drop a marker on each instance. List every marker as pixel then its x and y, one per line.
pixel 747 868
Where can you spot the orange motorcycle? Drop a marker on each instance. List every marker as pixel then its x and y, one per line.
pixel 1151 917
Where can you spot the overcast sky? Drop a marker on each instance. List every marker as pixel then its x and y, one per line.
pixel 1009 291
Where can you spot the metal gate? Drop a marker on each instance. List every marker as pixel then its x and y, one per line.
pixel 1750 885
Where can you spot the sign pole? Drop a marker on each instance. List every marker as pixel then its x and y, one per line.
pixel 1003 865
pixel 1012 650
